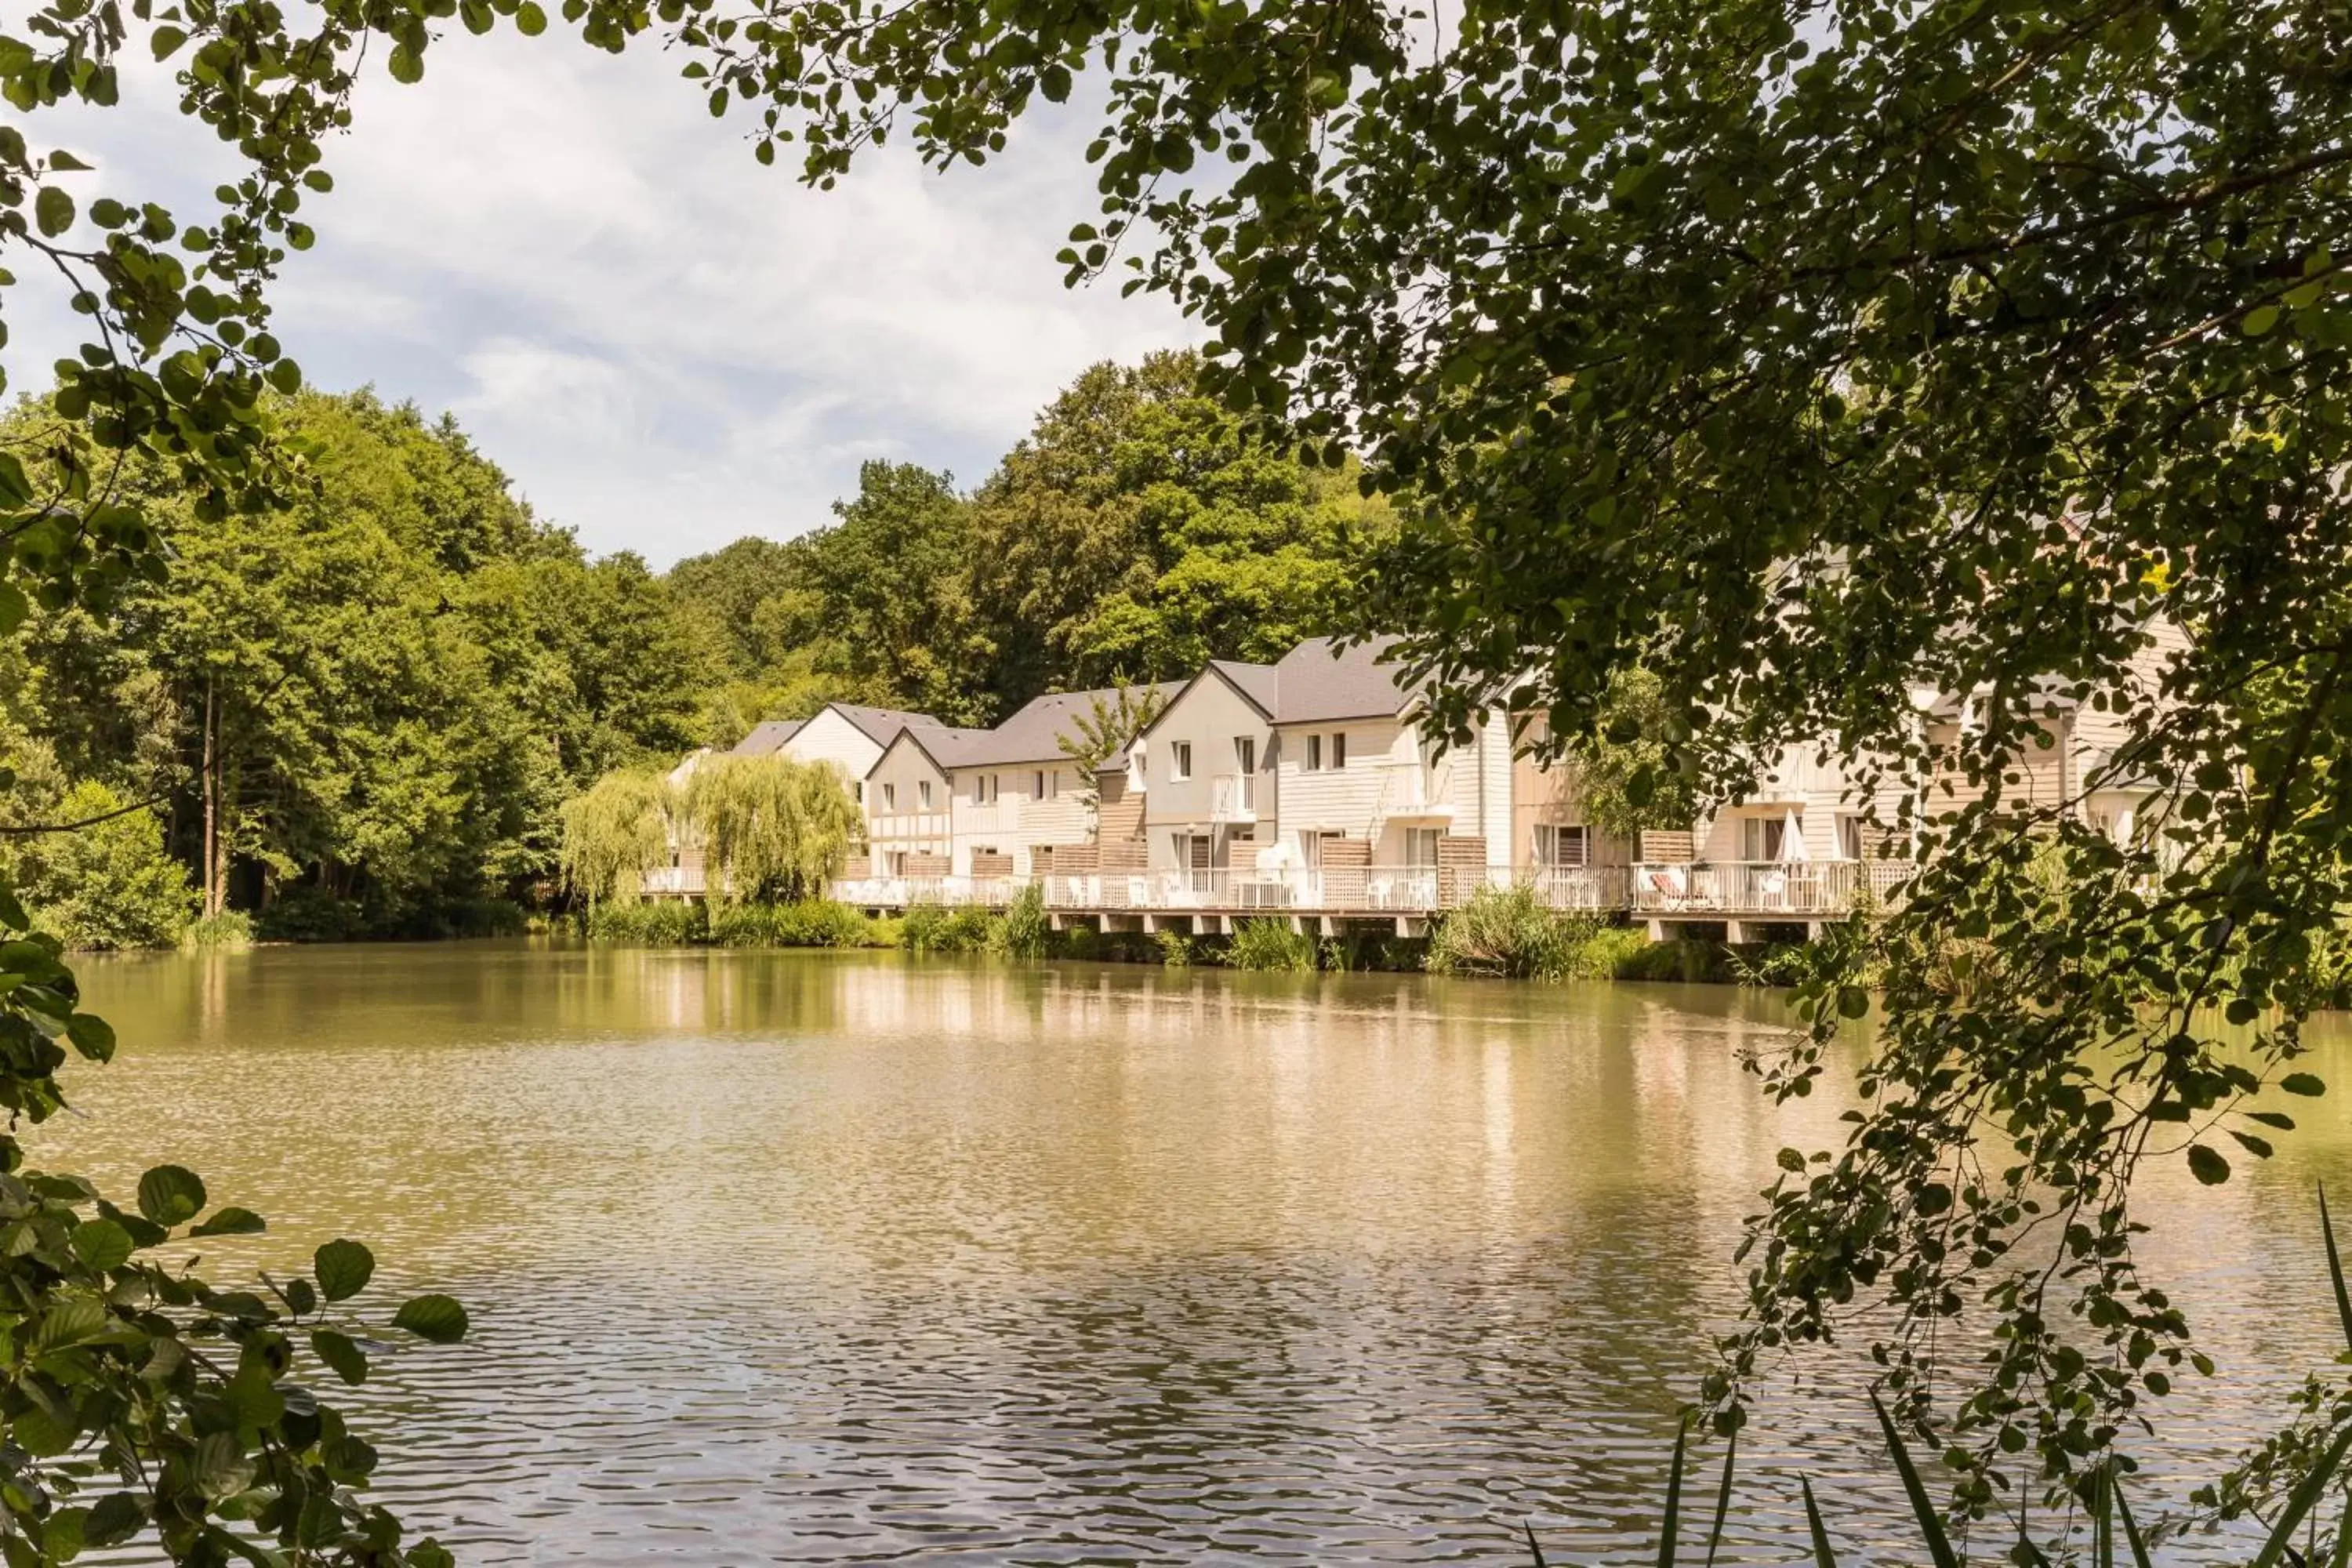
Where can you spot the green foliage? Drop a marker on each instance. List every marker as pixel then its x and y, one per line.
pixel 933 928
pixel 1269 943
pixel 1687 961
pixel 771 829
pixel 651 922
pixel 1108 727
pixel 1625 770
pixel 1509 932
pixel 616 833
pixel 108 885
pixel 1176 948
pixel 229 928
pixel 1024 929
pixel 813 922
pixel 149 1403
pixel 309 914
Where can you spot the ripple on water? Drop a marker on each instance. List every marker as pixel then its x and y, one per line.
pixel 836 1258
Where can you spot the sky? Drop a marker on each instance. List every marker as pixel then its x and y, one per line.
pixel 664 345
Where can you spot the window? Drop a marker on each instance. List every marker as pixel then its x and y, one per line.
pixel 1849 836
pixel 923 792
pixel 1179 760
pixel 984 788
pixel 1037 785
pixel 1245 754
pixel 1760 837
pixel 1339 748
pixel 1052 784
pixel 1314 761
pixel 1421 846
pixel 1560 847
pixel 889 797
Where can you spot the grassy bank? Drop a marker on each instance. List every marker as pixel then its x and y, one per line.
pixel 1501 934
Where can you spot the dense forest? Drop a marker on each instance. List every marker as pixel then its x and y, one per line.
pixel 362 714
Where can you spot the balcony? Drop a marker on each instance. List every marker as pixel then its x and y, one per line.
pixel 1233 797
pixel 1763 889
pixel 1413 791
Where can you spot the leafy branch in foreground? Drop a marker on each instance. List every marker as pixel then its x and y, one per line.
pixel 135 1395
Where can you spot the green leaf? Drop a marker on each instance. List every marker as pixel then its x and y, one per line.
pixel 342 1352
pixel 2208 1167
pixel 1722 1498
pixel 1671 1525
pixel 1853 1002
pixel 116 1519
pixel 92 1036
pixel 430 1553
pixel 53 210
pixel 221 1468
pixel 253 1394
pixel 406 65
pixel 2260 320
pixel 439 1318
pixel 232 1221
pixel 2302 1083
pixel 171 1194
pixel 1823 1556
pixel 101 1243
pixel 1923 1508
pixel 529 20
pixel 70 1321
pixel 15 489
pixel 342 1268
pixel 67 162
pixel 2321 1476
pixel 166 41
pixel 2335 1267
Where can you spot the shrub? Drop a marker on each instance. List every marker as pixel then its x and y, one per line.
pixel 1177 949
pixel 929 928
pixel 309 913
pixel 1270 944
pixel 1507 932
pixel 812 922
pixel 110 885
pixel 230 928
pixel 1024 929
pixel 669 923
pixel 1082 942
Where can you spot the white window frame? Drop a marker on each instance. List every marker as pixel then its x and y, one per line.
pixel 1563 846
pixel 1179 761
pixel 889 797
pixel 1338 748
pixel 923 793
pixel 1313 762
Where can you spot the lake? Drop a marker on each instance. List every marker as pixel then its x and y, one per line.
pixel 848 1257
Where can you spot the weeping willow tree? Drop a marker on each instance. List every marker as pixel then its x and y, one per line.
pixel 616 832
pixel 771 828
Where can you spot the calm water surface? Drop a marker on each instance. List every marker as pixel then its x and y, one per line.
pixel 821 1257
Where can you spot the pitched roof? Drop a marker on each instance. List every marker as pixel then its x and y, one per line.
pixel 944 745
pixel 881 725
pixel 768 735
pixel 1035 733
pixel 1258 682
pixel 1319 680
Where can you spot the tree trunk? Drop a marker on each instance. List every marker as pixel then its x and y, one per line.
pixel 212 804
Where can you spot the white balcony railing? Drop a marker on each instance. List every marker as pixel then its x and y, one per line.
pixel 1233 797
pixel 900 892
pixel 1414 790
pixel 1812 889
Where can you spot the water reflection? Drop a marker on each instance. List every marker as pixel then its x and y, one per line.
pixel 840 1258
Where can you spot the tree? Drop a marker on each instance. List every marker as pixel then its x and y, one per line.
pixel 1813 357
pixel 1109 727
pixel 1142 529
pixel 616 832
pixel 772 829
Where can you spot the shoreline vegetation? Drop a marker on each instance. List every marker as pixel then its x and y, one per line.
pixel 1497 934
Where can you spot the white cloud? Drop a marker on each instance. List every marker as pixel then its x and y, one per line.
pixel 665 344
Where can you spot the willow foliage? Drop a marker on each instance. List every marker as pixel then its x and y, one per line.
pixel 771 829
pixel 616 833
